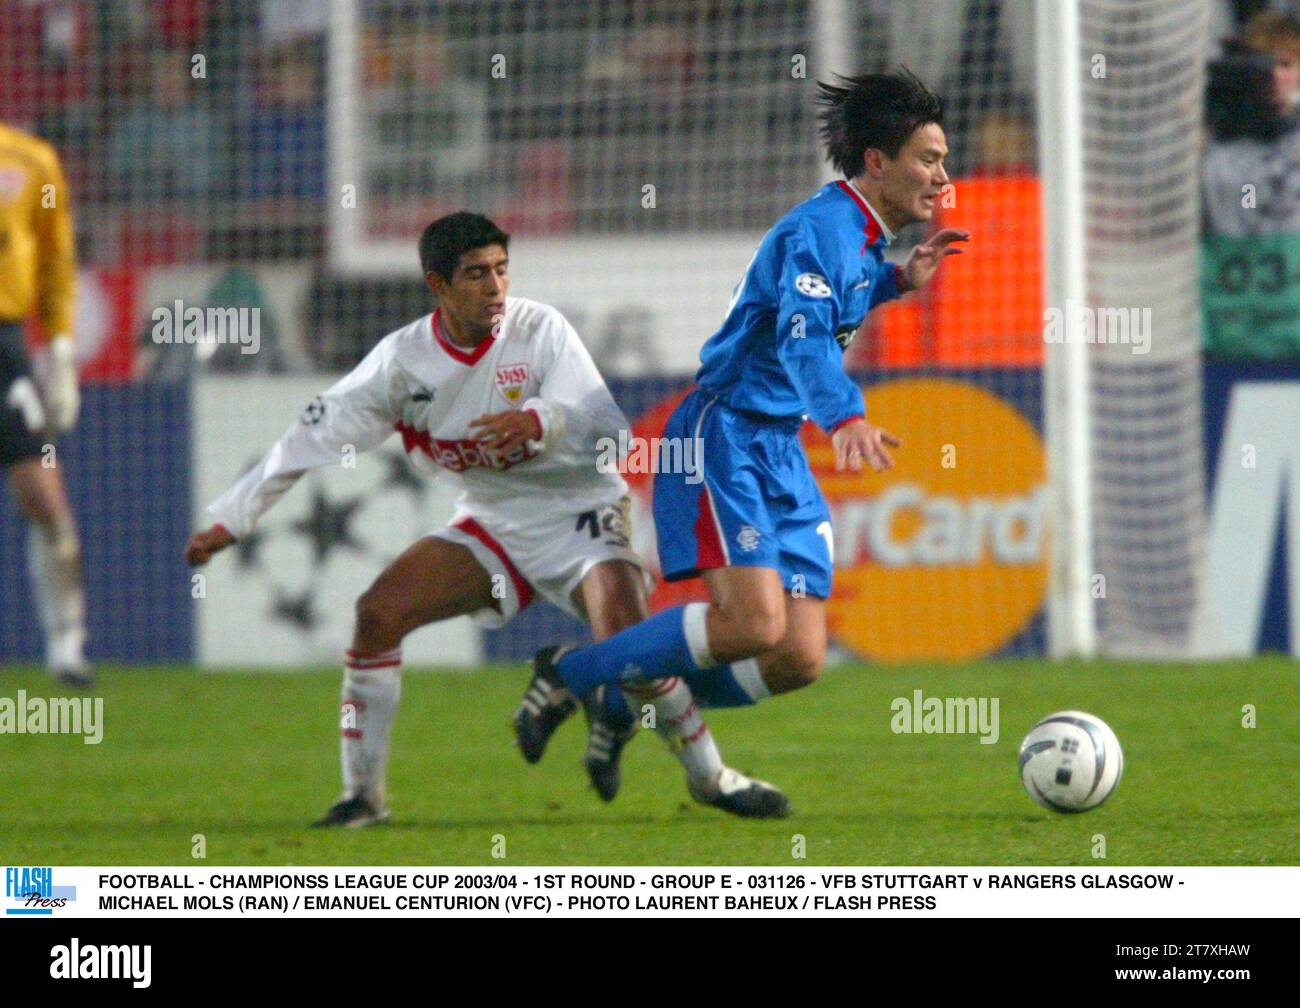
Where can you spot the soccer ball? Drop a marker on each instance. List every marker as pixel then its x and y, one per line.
pixel 1070 761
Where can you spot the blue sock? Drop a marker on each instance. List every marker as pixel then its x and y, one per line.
pixel 616 706
pixel 718 687
pixel 652 649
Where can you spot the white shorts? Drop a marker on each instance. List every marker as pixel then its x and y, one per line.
pixel 549 558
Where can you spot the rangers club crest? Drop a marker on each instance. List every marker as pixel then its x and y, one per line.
pixel 511 379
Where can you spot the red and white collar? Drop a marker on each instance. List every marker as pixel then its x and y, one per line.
pixel 467 357
pixel 876 226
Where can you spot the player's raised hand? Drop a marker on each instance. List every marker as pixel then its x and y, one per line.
pixel 859 440
pixel 506 431
pixel 204 545
pixel 927 256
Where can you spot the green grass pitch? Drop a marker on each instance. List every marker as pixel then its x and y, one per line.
pixel 248 758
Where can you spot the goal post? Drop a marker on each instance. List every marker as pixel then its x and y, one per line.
pixel 345 194
pixel 1120 100
pixel 1071 620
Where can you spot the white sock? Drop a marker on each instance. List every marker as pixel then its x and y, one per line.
pixel 54 562
pixel 372 686
pixel 695 627
pixel 749 677
pixel 678 723
pixel 745 674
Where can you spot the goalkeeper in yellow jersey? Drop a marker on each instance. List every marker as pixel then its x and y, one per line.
pixel 38 277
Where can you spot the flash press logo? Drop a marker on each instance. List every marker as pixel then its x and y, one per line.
pixel 31 892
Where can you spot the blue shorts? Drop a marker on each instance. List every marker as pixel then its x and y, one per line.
pixel 757 504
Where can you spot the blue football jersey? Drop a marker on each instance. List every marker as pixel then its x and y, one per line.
pixel 812 281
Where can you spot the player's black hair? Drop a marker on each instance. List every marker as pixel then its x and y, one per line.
pixel 448 238
pixel 874 110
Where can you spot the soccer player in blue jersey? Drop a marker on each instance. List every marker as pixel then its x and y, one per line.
pixel 757 528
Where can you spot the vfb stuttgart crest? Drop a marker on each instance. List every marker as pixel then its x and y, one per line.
pixel 511 379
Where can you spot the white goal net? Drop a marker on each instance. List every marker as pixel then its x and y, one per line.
pixel 1142 111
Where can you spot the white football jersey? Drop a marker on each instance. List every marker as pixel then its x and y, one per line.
pixel 418 384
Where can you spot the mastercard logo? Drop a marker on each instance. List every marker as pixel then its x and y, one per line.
pixel 944 556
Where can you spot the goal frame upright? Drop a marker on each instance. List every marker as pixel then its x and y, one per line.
pixel 1071 618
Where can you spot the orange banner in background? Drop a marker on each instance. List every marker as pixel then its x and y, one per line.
pixel 984 308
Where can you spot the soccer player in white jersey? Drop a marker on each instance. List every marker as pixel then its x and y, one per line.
pixel 498 394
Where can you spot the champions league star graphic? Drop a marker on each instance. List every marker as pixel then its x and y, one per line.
pixel 328 527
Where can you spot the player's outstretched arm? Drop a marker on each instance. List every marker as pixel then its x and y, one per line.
pixel 356 413
pixel 204 545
